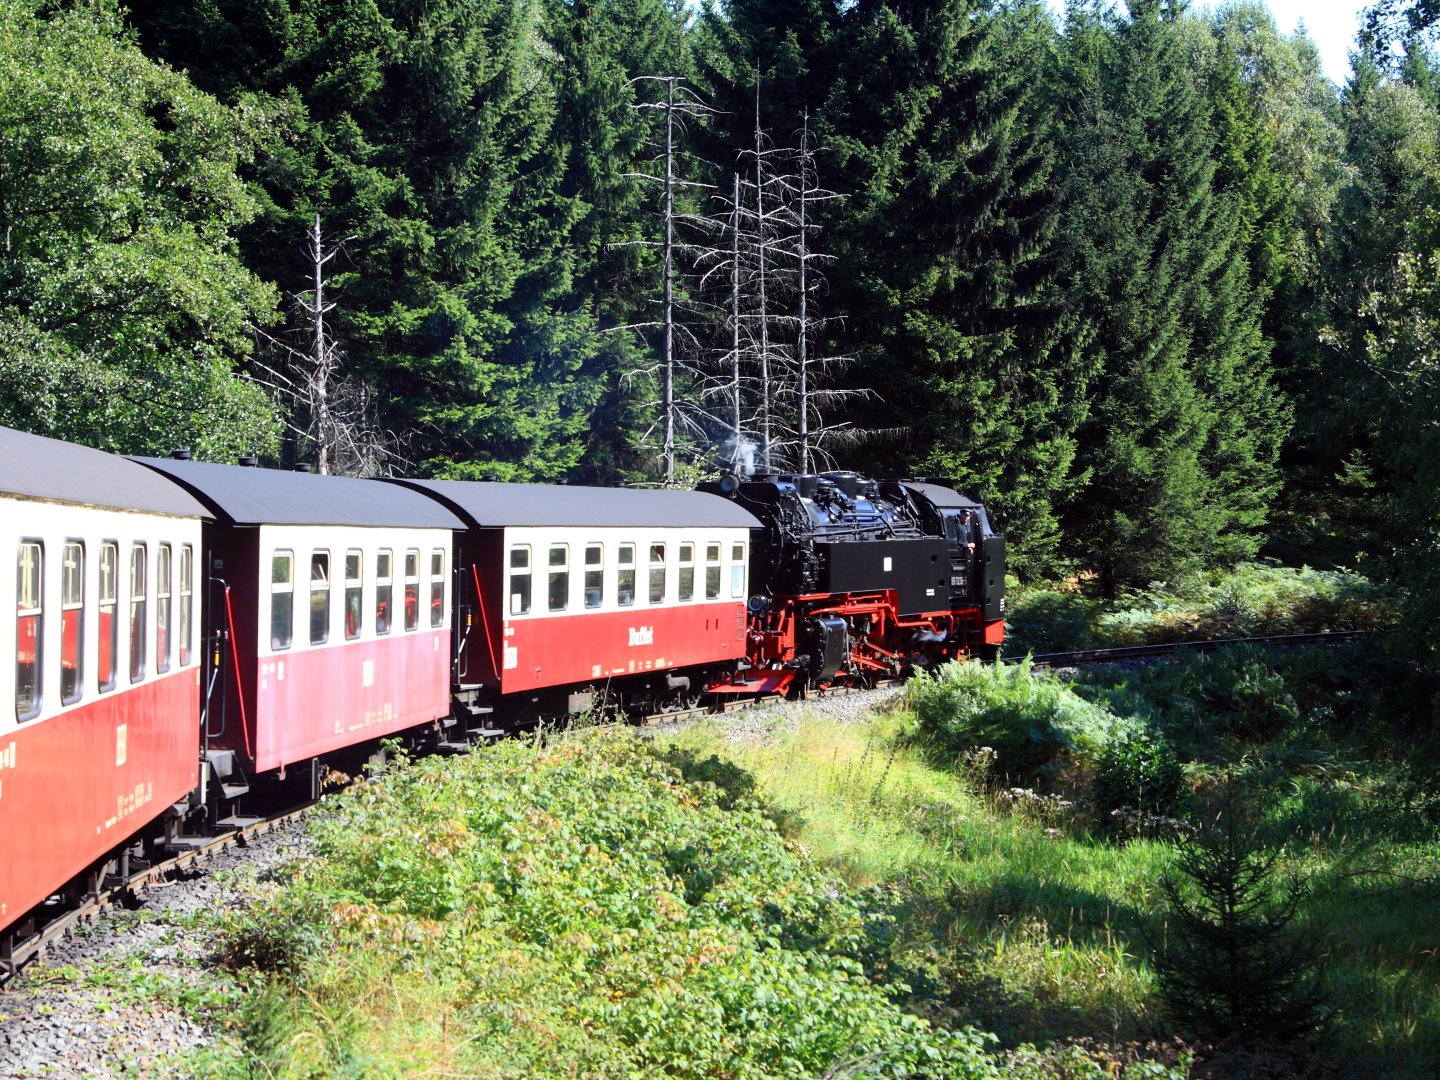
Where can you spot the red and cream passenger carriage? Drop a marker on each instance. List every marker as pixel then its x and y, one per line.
pixel 332 598
pixel 573 598
pixel 102 676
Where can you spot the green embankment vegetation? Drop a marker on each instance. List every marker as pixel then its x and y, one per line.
pixel 1034 911
pixel 1002 852
pixel 1252 599
pixel 575 908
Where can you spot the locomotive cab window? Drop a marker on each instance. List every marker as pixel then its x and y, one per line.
pixel 625 580
pixel 187 602
pixel 138 606
pixel 319 597
pixel 354 585
pixel 282 599
pixel 162 608
pixel 109 614
pixel 559 591
pixel 384 591
pixel 520 579
pixel 712 571
pixel 72 623
pixel 594 575
pixel 737 571
pixel 687 571
pixel 657 573
pixel 29 627
pixel 437 588
pixel 412 589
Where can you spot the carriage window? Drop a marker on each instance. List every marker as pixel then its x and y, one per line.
pixel 594 575
pixel 383 591
pixel 319 597
pixel 712 571
pixel 657 573
pixel 412 589
pixel 187 600
pixel 625 585
pixel 737 571
pixel 282 599
pixel 437 587
pixel 687 571
pixel 354 615
pixel 520 579
pixel 109 605
pixel 162 609
pixel 72 623
pixel 28 630
pixel 559 576
pixel 137 612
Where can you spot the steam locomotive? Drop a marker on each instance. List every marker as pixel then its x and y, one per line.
pixel 188 636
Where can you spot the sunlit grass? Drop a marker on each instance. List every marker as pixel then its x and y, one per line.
pixel 1023 922
pixel 1013 896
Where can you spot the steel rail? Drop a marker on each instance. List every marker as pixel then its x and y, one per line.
pixel 1142 652
pixel 24 951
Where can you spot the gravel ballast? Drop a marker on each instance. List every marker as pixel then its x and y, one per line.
pixel 102 1003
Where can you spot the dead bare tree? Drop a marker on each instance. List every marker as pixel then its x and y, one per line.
pixel 334 414
pixel 679 104
pixel 813 371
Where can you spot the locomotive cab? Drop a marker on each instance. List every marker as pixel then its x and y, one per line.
pixel 976 551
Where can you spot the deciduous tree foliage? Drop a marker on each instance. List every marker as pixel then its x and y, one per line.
pixel 124 309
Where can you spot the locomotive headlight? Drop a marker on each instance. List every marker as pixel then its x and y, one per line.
pixel 729 484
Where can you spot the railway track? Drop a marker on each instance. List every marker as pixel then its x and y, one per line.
pixel 1144 652
pixel 15 953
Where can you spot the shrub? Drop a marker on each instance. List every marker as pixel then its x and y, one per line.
pixel 1030 720
pixel 1253 599
pixel 1138 770
pixel 577 908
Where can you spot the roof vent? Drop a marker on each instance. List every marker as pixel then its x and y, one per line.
pixel 303 466
pixel 249 461
pixel 561 482
pixel 490 478
pixel 180 455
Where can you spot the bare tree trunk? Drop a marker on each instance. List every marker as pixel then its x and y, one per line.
pixel 802 355
pixel 321 384
pixel 669 301
pixel 735 314
pixel 764 316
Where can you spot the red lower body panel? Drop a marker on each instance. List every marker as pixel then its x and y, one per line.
pixel 74 786
pixel 564 650
pixel 313 701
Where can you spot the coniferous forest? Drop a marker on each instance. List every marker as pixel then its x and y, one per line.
pixel 1146 283
pixel 1138 276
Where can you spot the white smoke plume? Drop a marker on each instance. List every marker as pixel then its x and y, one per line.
pixel 743 455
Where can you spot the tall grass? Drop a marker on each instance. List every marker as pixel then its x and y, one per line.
pixel 1015 915
pixel 1008 920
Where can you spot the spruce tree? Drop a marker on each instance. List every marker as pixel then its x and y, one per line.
pixel 1184 427
pixel 942 250
pixel 422 128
